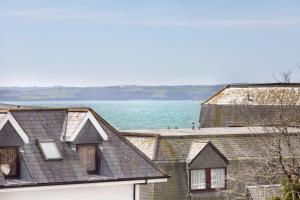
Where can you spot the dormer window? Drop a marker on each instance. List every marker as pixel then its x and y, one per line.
pixel 198 179
pixel 218 178
pixel 208 179
pixel 207 166
pixel 9 161
pixel 49 150
pixel 88 154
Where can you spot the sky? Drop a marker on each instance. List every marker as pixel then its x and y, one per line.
pixel 153 42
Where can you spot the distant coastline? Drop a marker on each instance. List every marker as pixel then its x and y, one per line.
pixel 185 92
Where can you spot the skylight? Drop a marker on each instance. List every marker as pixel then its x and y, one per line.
pixel 49 150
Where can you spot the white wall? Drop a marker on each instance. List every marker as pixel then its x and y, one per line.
pixel 106 192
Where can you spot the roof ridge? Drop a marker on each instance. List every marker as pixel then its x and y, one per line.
pixel 279 84
pixel 139 152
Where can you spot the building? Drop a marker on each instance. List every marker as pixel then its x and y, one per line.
pixel 218 157
pixel 225 159
pixel 252 105
pixel 68 153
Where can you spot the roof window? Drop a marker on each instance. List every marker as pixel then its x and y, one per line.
pixel 49 150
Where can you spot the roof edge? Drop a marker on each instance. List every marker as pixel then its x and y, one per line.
pixel 215 94
pixel 245 85
pixel 209 143
pixel 97 116
pixel 83 182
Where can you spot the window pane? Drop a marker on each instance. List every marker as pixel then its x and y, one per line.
pixel 88 156
pixel 9 158
pixel 217 178
pixel 50 150
pixel 198 179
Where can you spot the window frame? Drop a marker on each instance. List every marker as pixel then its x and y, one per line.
pixel 17 175
pixel 97 159
pixel 205 174
pixel 44 153
pixel 208 180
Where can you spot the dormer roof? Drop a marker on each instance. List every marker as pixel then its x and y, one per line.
pixel 75 122
pixel 8 117
pixel 196 149
pixel 123 161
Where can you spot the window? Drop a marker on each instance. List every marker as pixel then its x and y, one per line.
pixel 88 154
pixel 198 179
pixel 217 178
pixel 9 161
pixel 49 150
pixel 208 179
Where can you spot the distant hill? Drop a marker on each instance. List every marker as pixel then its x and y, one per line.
pixel 188 92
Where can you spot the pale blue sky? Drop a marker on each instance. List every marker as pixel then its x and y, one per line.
pixel 154 42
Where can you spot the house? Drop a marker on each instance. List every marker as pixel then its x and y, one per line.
pixel 223 159
pixel 252 105
pixel 205 163
pixel 68 153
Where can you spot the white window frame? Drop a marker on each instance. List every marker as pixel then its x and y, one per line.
pixel 45 156
pixel 215 181
pixel 196 176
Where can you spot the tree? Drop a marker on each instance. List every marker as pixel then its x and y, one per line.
pixel 275 144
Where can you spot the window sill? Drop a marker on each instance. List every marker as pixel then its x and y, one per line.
pixel 208 190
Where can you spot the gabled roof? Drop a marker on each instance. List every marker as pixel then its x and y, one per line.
pixel 234 142
pixel 73 121
pixel 145 144
pixel 123 161
pixel 195 149
pixel 253 94
pixel 76 121
pixel 198 146
pixel 4 118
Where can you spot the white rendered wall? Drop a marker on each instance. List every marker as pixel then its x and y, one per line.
pixel 106 192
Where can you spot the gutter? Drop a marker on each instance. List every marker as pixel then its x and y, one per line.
pixel 145 183
pixel 85 183
pixel 134 188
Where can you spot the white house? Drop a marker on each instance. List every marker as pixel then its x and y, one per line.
pixel 68 154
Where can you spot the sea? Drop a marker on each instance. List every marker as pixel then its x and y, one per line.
pixel 135 115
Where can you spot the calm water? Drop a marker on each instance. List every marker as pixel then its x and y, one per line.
pixel 137 114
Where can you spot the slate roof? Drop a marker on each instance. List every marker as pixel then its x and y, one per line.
pixel 195 149
pixel 254 94
pixel 73 121
pixel 120 160
pixel 252 105
pixel 176 146
pixel 205 131
pixel 263 192
pixel 146 144
pixel 2 115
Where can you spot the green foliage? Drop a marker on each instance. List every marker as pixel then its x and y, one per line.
pixel 290 190
pixel 275 198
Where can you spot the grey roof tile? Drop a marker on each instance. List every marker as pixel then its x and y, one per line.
pixel 121 159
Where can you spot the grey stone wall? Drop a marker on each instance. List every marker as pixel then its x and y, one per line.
pixel 177 187
pixel 147 191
